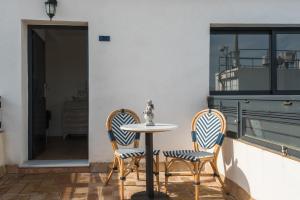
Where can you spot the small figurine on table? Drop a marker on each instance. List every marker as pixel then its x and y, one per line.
pixel 148 113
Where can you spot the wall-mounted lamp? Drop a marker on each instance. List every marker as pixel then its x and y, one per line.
pixel 50 6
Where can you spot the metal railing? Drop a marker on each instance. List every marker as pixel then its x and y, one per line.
pixel 287 59
pixel 236 59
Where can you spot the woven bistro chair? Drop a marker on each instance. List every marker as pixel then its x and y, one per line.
pixel 121 141
pixel 208 129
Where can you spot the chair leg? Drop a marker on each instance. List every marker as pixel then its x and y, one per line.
pixel 115 163
pixel 166 174
pixel 196 180
pixel 216 172
pixel 157 172
pixel 137 164
pixel 137 174
pixel 122 177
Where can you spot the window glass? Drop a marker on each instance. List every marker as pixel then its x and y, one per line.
pixel 274 132
pixel 239 62
pixel 288 61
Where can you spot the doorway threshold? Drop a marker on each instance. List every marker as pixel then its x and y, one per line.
pixel 54 163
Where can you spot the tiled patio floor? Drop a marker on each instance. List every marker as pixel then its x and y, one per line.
pixel 90 186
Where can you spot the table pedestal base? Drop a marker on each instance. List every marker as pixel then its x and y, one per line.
pixel 144 196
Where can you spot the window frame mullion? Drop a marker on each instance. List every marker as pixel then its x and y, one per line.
pixel 273 77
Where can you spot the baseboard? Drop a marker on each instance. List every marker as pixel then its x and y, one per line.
pixel 54 163
pixel 235 190
pixel 2 171
pixel 99 167
pixel 15 169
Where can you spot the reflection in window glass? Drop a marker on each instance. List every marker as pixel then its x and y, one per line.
pixel 239 62
pixel 288 61
pixel 272 131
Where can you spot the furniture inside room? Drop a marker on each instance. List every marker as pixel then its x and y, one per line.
pixel 75 117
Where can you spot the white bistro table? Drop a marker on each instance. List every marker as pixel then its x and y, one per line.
pixel 149 130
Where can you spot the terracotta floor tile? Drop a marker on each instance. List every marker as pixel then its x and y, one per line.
pixel 30 188
pixel 16 188
pixel 89 186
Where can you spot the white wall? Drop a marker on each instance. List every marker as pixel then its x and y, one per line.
pixel 264 175
pixel 159 49
pixel 66 72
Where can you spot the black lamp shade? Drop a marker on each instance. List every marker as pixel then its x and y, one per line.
pixel 50 6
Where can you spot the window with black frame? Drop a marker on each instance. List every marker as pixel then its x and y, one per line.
pixel 255 61
pixel 262 61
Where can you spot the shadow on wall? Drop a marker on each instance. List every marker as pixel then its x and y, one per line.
pixel 231 169
pixel 2 154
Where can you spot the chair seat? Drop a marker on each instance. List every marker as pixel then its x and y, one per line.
pixel 190 155
pixel 133 152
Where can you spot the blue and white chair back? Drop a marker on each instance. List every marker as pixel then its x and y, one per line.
pixel 116 134
pixel 208 129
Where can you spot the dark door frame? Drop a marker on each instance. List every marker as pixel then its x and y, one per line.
pixel 30 29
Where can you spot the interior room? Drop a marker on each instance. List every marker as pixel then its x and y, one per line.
pixel 65 92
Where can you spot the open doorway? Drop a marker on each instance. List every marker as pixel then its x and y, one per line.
pixel 58 92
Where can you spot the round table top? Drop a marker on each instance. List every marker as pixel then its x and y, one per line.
pixel 158 127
